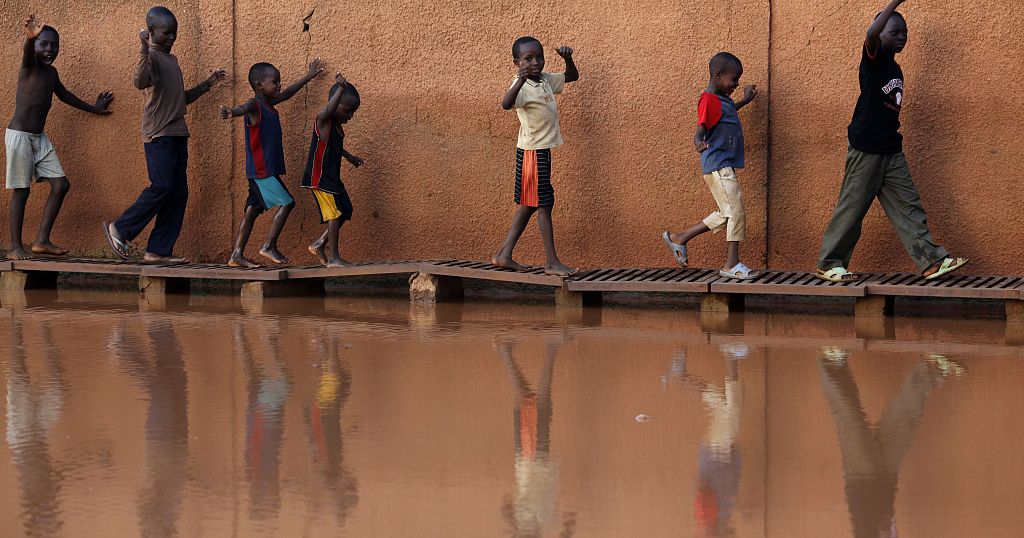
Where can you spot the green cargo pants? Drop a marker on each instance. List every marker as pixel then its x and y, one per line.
pixel 886 177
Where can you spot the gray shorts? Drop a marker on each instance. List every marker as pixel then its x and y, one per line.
pixel 30 157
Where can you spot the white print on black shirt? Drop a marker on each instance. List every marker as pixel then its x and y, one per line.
pixel 894 84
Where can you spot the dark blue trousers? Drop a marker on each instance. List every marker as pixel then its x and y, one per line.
pixel 165 198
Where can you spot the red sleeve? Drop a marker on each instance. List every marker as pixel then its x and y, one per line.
pixel 709 110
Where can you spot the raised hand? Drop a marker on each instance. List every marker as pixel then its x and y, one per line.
pixel 339 78
pixel 749 92
pixel 144 38
pixel 216 77
pixel 103 103
pixel 564 52
pixel 316 67
pixel 523 72
pixel 225 112
pixel 33 27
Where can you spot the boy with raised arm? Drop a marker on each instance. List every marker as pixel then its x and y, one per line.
pixel 165 135
pixel 323 169
pixel 264 157
pixel 876 166
pixel 533 96
pixel 719 140
pixel 30 155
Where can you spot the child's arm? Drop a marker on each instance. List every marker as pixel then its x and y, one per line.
pixel 323 118
pixel 356 161
pixel 875 30
pixel 316 68
pixel 102 102
pixel 32 30
pixel 508 102
pixel 571 73
pixel 205 86
pixel 248 108
pixel 144 76
pixel 699 141
pixel 749 93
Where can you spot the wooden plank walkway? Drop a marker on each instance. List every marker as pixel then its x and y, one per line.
pixel 667 280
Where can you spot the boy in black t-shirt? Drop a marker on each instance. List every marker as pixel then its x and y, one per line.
pixel 876 166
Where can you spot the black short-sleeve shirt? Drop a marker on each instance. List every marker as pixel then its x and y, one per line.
pixel 876 119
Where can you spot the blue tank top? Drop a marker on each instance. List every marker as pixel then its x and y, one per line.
pixel 264 150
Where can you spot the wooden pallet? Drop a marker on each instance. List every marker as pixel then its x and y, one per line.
pixel 78 265
pixel 643 280
pixel 954 286
pixel 359 269
pixel 213 272
pixel 486 271
pixel 790 283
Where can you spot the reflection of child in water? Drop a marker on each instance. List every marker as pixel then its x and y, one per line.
pixel 268 389
pixel 719 462
pixel 323 418
pixel 872 456
pixel 534 506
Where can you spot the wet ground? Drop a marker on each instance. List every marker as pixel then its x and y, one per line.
pixel 368 417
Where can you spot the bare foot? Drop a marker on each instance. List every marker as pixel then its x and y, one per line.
pixel 318 251
pixel 149 257
pixel 506 262
pixel 274 255
pixel 48 248
pixel 559 269
pixel 242 261
pixel 339 262
pixel 18 254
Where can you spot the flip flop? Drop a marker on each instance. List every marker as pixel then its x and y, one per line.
pixel 678 251
pixel 117 245
pixel 837 274
pixel 740 272
pixel 948 266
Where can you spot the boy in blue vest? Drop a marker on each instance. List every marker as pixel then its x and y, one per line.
pixel 719 140
pixel 323 169
pixel 876 166
pixel 264 157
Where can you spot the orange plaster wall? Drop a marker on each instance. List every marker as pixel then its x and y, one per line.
pixel 439 149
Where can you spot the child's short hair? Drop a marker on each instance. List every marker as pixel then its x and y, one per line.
pixel 157 14
pixel 259 71
pixel 350 92
pixel 518 44
pixel 724 61
pixel 48 28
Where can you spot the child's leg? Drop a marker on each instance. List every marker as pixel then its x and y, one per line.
pixel 685 236
pixel 238 258
pixel 503 258
pixel 59 187
pixel 554 265
pixel 17 218
pixel 860 185
pixel 334 259
pixel 170 217
pixel 269 249
pixel 318 246
pixel 902 204
pixel 732 257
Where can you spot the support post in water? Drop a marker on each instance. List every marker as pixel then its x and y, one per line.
pixel 265 289
pixel 27 280
pixel 425 288
pixel 1014 311
pixel 577 299
pixel 153 287
pixel 875 306
pixel 722 302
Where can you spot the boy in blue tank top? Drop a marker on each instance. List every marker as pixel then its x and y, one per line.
pixel 264 158
pixel 719 140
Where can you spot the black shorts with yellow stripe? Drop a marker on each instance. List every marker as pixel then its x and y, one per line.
pixel 333 205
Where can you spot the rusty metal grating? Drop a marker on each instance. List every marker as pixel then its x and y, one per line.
pixel 790 283
pixel 957 286
pixel 643 280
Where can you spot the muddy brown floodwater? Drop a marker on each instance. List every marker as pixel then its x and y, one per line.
pixel 370 417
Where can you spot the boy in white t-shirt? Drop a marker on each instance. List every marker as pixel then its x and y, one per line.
pixel 533 96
